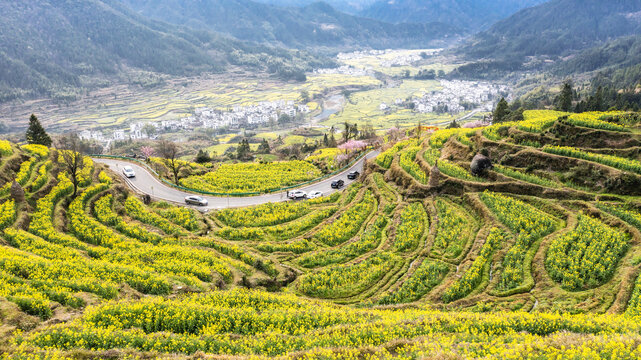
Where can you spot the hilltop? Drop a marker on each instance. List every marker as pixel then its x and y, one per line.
pixel 471 15
pixel 61 49
pixel 311 26
pixel 538 254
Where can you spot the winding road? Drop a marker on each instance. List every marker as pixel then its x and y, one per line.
pixel 146 183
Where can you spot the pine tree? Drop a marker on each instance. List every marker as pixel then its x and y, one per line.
pixel 263 148
pixel 243 150
pixel 202 157
pixel 36 134
pixel 564 101
pixel 502 111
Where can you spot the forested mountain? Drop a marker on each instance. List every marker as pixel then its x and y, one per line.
pixel 468 14
pixel 348 6
pixel 314 25
pixel 55 47
pixel 557 28
pixel 616 54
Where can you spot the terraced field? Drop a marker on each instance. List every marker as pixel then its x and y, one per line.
pixel 408 263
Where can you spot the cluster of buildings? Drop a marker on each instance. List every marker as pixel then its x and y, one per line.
pixel 262 113
pixel 209 118
pixel 458 96
pixel 346 70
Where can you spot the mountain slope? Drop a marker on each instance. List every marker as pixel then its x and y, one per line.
pixel 349 6
pixel 619 53
pixel 556 28
pixel 469 14
pixel 55 47
pixel 317 24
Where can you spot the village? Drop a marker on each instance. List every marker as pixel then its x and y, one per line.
pixel 205 118
pixel 458 96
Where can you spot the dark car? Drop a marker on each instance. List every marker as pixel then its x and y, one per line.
pixel 196 200
pixel 337 184
pixel 353 175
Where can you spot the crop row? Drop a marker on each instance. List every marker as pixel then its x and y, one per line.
pixel 385 158
pixel 42 177
pixel 411 228
pixel 631 217
pixel 297 246
pixel 368 241
pixel 181 216
pixel 609 160
pixel 439 138
pixel 537 121
pixel 5 148
pixel 213 324
pixel 36 149
pixel 587 256
pixel 592 120
pixel 530 178
pixel 346 280
pixel 455 228
pixel 388 196
pixel 407 161
pixel 42 220
pixel 348 223
pixel 454 170
pixel 429 274
pixel 105 214
pixel 528 223
pixel 263 215
pixel 474 275
pixel 7 213
pixel 253 177
pixel 281 232
pixel 68 267
pixel 137 210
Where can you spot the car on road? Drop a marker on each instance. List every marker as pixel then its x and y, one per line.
pixel 196 200
pixel 297 195
pixel 128 171
pixel 315 194
pixel 337 184
pixel 353 175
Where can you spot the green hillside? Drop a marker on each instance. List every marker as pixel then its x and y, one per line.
pixel 314 25
pixel 471 15
pixel 557 27
pixel 60 48
pixel 539 256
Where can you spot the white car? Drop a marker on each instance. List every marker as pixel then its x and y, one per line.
pixel 128 171
pixel 315 194
pixel 297 194
pixel 196 200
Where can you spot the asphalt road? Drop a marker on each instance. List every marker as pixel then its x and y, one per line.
pixel 146 183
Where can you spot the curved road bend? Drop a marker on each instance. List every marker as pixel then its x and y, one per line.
pixel 146 183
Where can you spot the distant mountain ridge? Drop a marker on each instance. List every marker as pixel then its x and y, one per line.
pixel 348 6
pixel 557 28
pixel 314 25
pixel 59 47
pixel 467 14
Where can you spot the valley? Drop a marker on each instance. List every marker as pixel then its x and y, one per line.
pixel 298 180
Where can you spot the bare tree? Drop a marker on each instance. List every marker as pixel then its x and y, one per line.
pixel 169 151
pixel 70 147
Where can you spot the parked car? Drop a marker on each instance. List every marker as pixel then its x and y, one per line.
pixel 353 175
pixel 315 194
pixel 196 200
pixel 128 171
pixel 297 195
pixel 337 184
